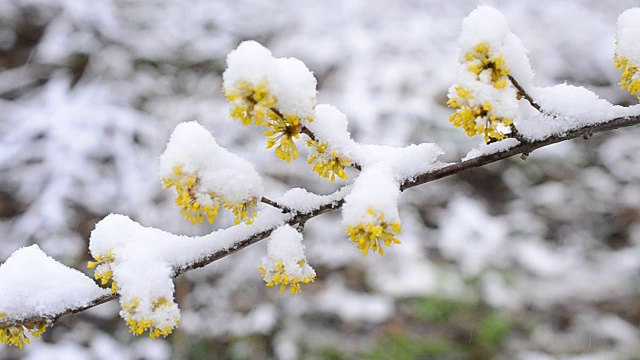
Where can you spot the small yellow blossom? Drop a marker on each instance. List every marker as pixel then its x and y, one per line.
pixel 369 234
pixel 630 75
pixel 16 335
pixel 198 206
pixel 328 164
pixel 475 116
pixel 257 105
pixel 243 211
pixel 250 104
pixel 481 60
pixel 139 323
pixel 283 130
pixel 278 273
pixel 192 205
pixel 476 119
pixel 103 271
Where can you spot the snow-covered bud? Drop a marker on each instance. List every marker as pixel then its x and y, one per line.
pixel 285 263
pixel 627 55
pixel 489 53
pixel 370 213
pixel 207 177
pixel 277 93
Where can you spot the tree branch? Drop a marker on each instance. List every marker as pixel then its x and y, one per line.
pixel 301 217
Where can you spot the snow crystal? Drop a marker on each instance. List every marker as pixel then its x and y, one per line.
pixel 34 284
pixel 194 150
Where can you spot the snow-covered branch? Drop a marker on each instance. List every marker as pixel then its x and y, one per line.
pixel 138 265
pixel 336 201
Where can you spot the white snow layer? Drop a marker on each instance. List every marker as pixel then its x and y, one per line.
pixel 571 107
pixel 195 150
pixel 285 246
pixel 34 284
pixel 487 25
pixel 288 79
pixel 628 35
pixel 330 126
pixel 374 189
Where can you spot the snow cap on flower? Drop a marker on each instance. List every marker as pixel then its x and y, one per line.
pixel 487 25
pixel 332 146
pixel 207 177
pixel 34 285
pixel 370 213
pixel 277 93
pixel 285 263
pixel 287 79
pixel 138 265
pixel 627 55
pixel 490 57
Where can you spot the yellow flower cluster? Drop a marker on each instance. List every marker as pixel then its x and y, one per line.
pixel 368 235
pixel 139 324
pixel 243 211
pixel 196 206
pixel 255 104
pixel 481 62
pixel 103 271
pixel 281 274
pixel 328 164
pixel 16 335
pixel 476 119
pixel 630 75
pixel 283 129
pixel 474 116
pixel 250 104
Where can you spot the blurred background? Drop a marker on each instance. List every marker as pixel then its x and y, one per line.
pixel 531 260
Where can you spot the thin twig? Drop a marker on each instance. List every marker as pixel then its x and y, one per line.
pixel 526 95
pixel 305 130
pixel 285 209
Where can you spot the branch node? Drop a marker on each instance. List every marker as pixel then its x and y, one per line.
pixel 587 135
